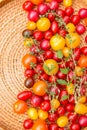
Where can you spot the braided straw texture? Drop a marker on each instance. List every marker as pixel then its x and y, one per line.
pixel 12 22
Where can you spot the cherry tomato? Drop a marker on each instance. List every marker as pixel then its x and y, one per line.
pixel 71 65
pixel 26 33
pixel 52 117
pixel 24 95
pixel 83 13
pixel 66 51
pixel 72 117
pixel 28 59
pixel 42 8
pixel 43 115
pixel 84 50
pixel 62 121
pixel 67 3
pixel 80 108
pixel 54 27
pixel 83 121
pixel 31 25
pixel 46 97
pixel 28 124
pixel 61 12
pixel 32 113
pixel 27 5
pixel 45 45
pixel 28 42
pixel 55 90
pixel 33 15
pixel 62 32
pixel 55 104
pixel 60 75
pixel 43 24
pixel 69 107
pixel 70 88
pixel 35 100
pixel 70 27
pixel 78 71
pixel 36 2
pixel 40 88
pixel 50 67
pixel 71 99
pixel 77 52
pixel 54 5
pixel 69 11
pixel 38 69
pixel 72 40
pixel 51 17
pixel 48 54
pixel 80 28
pixel 29 73
pixel 61 110
pixel 45 106
pixel 48 34
pixel 82 99
pixel 82 61
pixel 75 19
pixel 57 42
pixel 20 107
pixel 62 94
pixel 40 125
pixel 52 78
pixel 74 126
pixel 66 19
pixel 38 35
pixel 29 82
pixel 53 127
pixel 44 76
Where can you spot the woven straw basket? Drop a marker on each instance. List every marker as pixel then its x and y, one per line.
pixel 12 22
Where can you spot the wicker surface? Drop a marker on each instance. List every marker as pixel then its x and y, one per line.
pixel 12 22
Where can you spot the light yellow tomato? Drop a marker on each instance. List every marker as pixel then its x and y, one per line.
pixel 78 71
pixel 66 51
pixel 80 108
pixel 57 42
pixel 67 3
pixel 28 42
pixel 50 67
pixel 82 99
pixel 43 115
pixel 62 121
pixel 55 103
pixel 70 88
pixel 70 27
pixel 43 24
pixel 31 25
pixel 72 40
pixel 32 113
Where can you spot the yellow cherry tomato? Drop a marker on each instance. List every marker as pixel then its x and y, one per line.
pixel 67 3
pixel 66 51
pixel 50 67
pixel 28 42
pixel 43 115
pixel 55 103
pixel 70 27
pixel 78 71
pixel 70 88
pixel 72 40
pixel 80 108
pixel 43 24
pixel 32 113
pixel 82 99
pixel 57 42
pixel 31 25
pixel 62 121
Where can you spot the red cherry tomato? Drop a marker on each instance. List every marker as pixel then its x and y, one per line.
pixel 53 127
pixel 24 95
pixel 77 53
pixel 45 106
pixel 61 110
pixel 62 94
pixel 72 117
pixel 61 12
pixel 52 117
pixel 33 15
pixel 48 34
pixel 60 75
pixel 27 6
pixel 35 100
pixel 83 13
pixel 69 107
pixel 51 17
pixel 74 126
pixel 69 11
pixel 70 64
pixel 45 44
pixel 80 28
pixel 44 76
pixel 29 73
pixel 71 99
pixel 62 32
pixel 38 35
pixel 75 19
pixel 54 27
pixel 42 8
pixel 48 54
pixel 54 5
pixel 66 19
pixel 28 124
pixel 84 50
pixel 83 121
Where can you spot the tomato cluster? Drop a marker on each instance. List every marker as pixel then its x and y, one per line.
pixel 55 67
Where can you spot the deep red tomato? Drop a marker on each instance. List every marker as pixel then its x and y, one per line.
pixel 55 90
pixel 35 100
pixel 34 49
pixel 60 75
pixel 48 34
pixel 69 107
pixel 54 5
pixel 83 121
pixel 51 17
pixel 71 99
pixel 83 13
pixel 62 32
pixel 77 53
pixel 45 44
pixel 52 117
pixel 61 12
pixel 44 76
pixel 24 95
pixel 55 57
pixel 28 124
pixel 74 126
pixel 63 93
pixel 84 50
pixel 29 73
pixel 40 58
pixel 52 78
pixel 45 106
pixel 69 11
pixel 27 6
pixel 33 15
pixel 38 35
pixel 75 19
pixel 72 117
pixel 42 8
pixel 70 64
pixel 61 110
pixel 53 127
pixel 38 69
pixel 54 27
pixel 70 75
pixel 59 1
pixel 80 28
pixel 48 54
pixel 66 19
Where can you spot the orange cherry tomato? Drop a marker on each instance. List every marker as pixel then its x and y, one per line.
pixel 40 125
pixel 20 107
pixel 36 2
pixel 28 59
pixel 40 88
pixel 83 61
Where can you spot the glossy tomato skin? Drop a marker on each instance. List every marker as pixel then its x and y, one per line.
pixel 63 93
pixel 66 19
pixel 48 34
pixel 29 73
pixel 54 5
pixel 27 59
pixel 52 117
pixel 20 107
pixel 28 124
pixel 27 6
pixel 75 19
pixel 53 126
pixel 44 76
pixel 35 100
pixel 45 44
pixel 72 117
pixel 83 13
pixel 69 107
pixel 82 61
pixel 71 99
pixel 83 121
pixel 38 35
pixel 77 52
pixel 24 95
pixel 51 17
pixel 62 32
pixel 40 125
pixel 28 82
pixel 61 13
pixel 74 126
pixel 80 28
pixel 69 11
pixel 70 64
pixel 48 54
pixel 84 50
pixel 60 75
pixel 45 106
pixel 54 27
pixel 61 110
pixel 33 15
pixel 42 8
